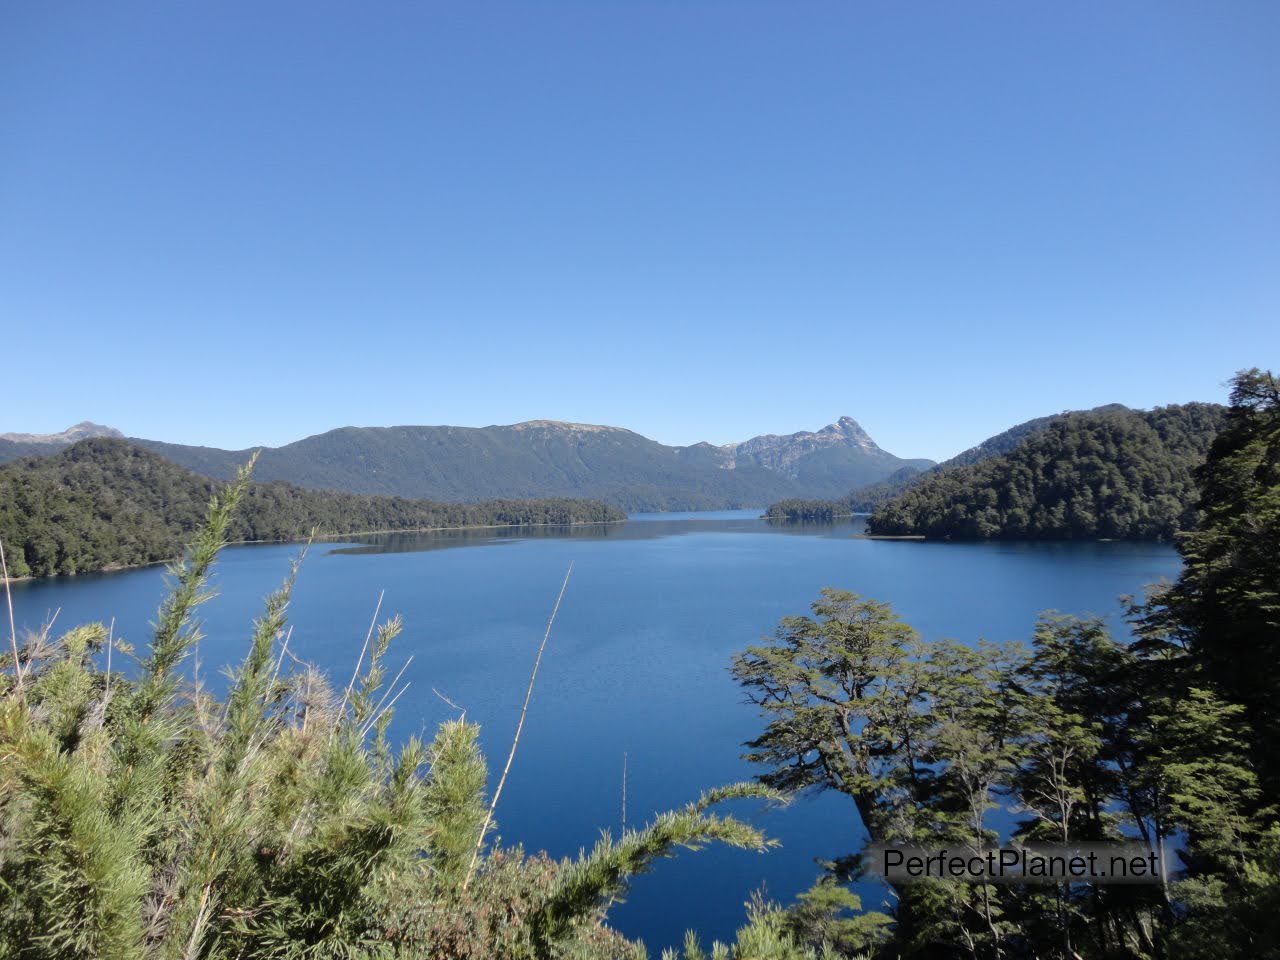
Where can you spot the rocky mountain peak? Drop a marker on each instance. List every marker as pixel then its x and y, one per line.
pixel 782 453
pixel 850 429
pixel 79 431
pixel 565 426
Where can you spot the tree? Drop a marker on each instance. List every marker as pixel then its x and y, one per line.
pixel 838 692
pixel 1224 609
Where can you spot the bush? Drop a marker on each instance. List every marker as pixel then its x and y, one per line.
pixel 140 816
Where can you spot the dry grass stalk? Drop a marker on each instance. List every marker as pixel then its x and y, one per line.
pixel 515 741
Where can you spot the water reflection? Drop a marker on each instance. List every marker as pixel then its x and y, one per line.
pixel 640 527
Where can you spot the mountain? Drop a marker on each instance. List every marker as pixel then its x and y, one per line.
pixel 1116 474
pixel 104 502
pixel 821 463
pixel 541 458
pixel 549 458
pixel 80 431
pixel 14 445
pixel 534 459
pixel 868 496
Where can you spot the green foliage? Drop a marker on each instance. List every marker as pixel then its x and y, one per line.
pixel 821 511
pixel 1214 745
pixel 862 500
pixel 1087 738
pixel 140 817
pixel 583 887
pixel 103 503
pixel 871 496
pixel 812 930
pixel 1225 608
pixel 1008 440
pixel 455 802
pixel 1118 475
pixel 831 687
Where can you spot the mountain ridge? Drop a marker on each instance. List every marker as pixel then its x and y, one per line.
pixel 552 458
pixel 77 431
pixel 105 503
pixel 15 445
pixel 873 497
pixel 1110 472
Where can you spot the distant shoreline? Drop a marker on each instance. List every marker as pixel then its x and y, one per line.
pixel 121 567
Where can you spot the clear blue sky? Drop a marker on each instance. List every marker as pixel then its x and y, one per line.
pixel 241 223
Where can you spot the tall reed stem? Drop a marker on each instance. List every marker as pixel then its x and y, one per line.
pixel 515 741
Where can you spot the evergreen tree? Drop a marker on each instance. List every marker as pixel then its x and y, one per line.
pixel 1224 609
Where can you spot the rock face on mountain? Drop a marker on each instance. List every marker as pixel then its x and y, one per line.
pixel 820 460
pixel 1110 471
pixel 81 431
pixel 549 458
pixel 15 445
pixel 869 496
pixel 783 453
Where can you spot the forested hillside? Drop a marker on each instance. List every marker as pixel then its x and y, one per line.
pixel 543 458
pixel 1007 440
pixel 106 503
pixel 1120 474
pixel 526 460
pixel 862 500
pixel 866 497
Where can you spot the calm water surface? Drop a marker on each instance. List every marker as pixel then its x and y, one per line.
pixel 637 662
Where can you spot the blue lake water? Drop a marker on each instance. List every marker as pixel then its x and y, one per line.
pixel 636 664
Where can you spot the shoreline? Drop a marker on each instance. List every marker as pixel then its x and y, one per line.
pixel 322 538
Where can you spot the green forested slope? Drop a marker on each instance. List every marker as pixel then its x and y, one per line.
pixel 548 458
pixel 862 500
pixel 105 503
pixel 1007 440
pixel 1118 474
pixel 867 497
pixel 524 460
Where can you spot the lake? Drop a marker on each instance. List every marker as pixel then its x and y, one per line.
pixel 636 664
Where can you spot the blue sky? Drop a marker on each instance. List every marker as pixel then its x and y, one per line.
pixel 242 223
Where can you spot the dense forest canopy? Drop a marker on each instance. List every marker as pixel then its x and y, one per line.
pixel 869 497
pixel 813 510
pixel 1121 474
pixel 862 500
pixel 1225 607
pixel 105 503
pixel 1007 440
